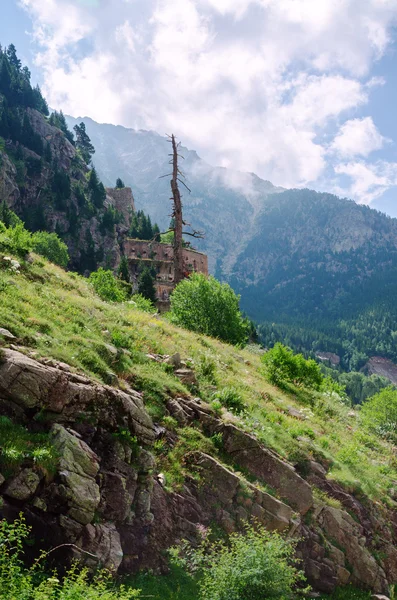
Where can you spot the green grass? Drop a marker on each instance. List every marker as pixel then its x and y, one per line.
pixel 20 447
pixel 177 585
pixel 57 314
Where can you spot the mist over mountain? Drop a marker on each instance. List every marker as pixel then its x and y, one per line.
pixel 315 270
pixel 222 203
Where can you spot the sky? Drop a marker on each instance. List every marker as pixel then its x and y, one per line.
pixel 301 92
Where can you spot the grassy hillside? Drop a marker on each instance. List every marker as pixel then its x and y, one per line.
pixel 56 314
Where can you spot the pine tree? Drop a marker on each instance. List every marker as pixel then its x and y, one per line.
pixel 83 143
pixel 146 285
pixel 97 191
pixel 119 183
pixel 12 57
pixel 123 271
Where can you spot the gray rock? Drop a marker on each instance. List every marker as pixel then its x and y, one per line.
pixel 186 376
pixel 6 334
pixel 174 360
pixel 103 541
pixel 23 486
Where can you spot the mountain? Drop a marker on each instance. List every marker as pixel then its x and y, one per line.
pixel 321 272
pixel 45 178
pixel 222 203
pixel 314 270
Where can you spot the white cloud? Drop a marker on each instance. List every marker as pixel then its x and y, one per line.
pixel 254 84
pixel 357 137
pixel 368 181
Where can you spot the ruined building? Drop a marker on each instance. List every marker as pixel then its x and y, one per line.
pixel 154 254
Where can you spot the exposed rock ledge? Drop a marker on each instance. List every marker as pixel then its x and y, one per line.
pixel 106 499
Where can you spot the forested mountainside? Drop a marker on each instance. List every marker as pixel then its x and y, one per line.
pixel 315 271
pixel 321 272
pixel 44 175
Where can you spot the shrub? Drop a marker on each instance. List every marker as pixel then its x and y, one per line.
pixel 107 286
pixel 282 365
pixel 142 303
pixel 16 240
pixel 51 247
pixel 231 399
pixel 207 306
pixel 254 565
pixel 20 583
pixel 379 413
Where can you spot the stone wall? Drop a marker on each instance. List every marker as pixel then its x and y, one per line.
pixel 161 256
pixel 123 201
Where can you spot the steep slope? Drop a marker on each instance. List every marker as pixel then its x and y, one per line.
pixel 317 271
pixel 327 265
pixel 44 178
pixel 222 203
pixel 122 471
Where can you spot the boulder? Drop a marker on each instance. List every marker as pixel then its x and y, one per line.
pixel 187 376
pixel 4 333
pixel 82 495
pixel 78 465
pixel 174 360
pixel 74 454
pixel 23 486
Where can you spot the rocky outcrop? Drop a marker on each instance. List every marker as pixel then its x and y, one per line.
pixel 105 503
pixel 383 367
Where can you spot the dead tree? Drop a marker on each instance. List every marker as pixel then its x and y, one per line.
pixel 176 215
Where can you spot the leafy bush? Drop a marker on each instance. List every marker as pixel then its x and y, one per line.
pixel 207 306
pixel 231 399
pixel 142 303
pixel 379 414
pixel 51 247
pixel 282 365
pixel 16 240
pixel 254 565
pixel 20 583
pixel 107 286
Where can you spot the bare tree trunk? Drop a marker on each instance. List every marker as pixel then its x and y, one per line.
pixel 177 215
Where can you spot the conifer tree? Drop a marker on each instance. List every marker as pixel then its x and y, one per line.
pixel 146 285
pixel 83 143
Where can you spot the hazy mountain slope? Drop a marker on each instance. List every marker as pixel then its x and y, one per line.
pixel 326 265
pixel 222 203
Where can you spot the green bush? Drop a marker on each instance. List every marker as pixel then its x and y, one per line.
pixel 51 247
pixel 107 286
pixel 254 565
pixel 231 399
pixel 16 240
pixel 142 303
pixel 282 365
pixel 379 414
pixel 20 583
pixel 207 306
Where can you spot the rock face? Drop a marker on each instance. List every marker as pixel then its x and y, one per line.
pixel 32 194
pixel 107 499
pixel 382 366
